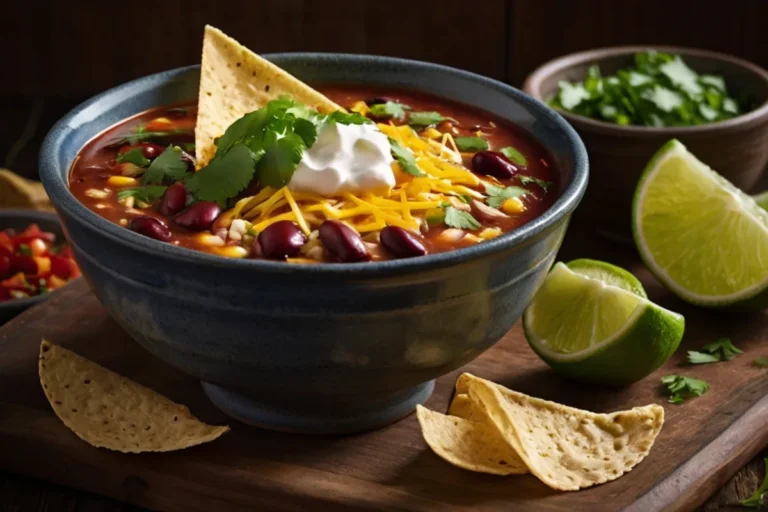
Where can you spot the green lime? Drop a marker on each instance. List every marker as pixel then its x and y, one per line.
pixel 608 274
pixel 590 329
pixel 702 237
pixel 762 200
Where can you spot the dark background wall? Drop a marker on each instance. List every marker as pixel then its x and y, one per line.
pixel 55 54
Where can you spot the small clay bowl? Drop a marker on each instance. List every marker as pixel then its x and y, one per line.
pixel 736 148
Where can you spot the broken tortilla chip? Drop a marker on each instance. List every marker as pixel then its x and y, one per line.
pixel 109 411
pixel 566 448
pixel 476 446
pixel 19 192
pixel 235 81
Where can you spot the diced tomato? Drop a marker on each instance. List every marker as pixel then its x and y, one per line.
pixel 24 264
pixel 43 266
pixel 33 231
pixel 75 269
pixel 6 244
pixel 16 282
pixel 55 282
pixel 61 266
pixel 5 294
pixel 37 246
pixel 5 267
pixel 66 252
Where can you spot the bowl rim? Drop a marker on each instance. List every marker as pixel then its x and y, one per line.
pixel 532 86
pixel 55 182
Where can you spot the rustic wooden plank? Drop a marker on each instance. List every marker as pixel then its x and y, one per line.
pixel 390 468
pixel 545 29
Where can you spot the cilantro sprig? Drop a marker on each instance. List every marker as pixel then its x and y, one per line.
pixel 169 166
pixel 471 144
pixel 515 156
pixel 680 387
pixel 405 158
pixel 148 194
pixel 425 119
pixel 456 218
pixel 140 134
pixel 389 110
pixel 133 156
pixel 761 361
pixel 721 349
pixel 760 496
pixel 497 195
pixel 660 89
pixel 528 180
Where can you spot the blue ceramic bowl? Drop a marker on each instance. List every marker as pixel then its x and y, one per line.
pixel 19 220
pixel 330 348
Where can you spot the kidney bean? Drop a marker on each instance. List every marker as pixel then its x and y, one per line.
pixel 199 216
pixel 148 149
pixel 379 100
pixel 151 227
pixel 343 242
pixel 5 267
pixel 281 240
pixel 174 199
pixel 25 264
pixel 401 242
pixel 493 163
pixel 60 266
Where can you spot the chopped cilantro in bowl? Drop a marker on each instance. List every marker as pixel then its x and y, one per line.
pixel 658 90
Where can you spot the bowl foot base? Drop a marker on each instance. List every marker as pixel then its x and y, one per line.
pixel 257 413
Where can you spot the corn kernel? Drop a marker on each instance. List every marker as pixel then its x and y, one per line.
pixel 361 108
pixel 97 193
pixel 432 133
pixel 122 181
pixel 123 222
pixel 512 206
pixel 128 202
pixel 489 233
pixel 472 238
pixel 231 251
pixel 210 240
pixel 451 235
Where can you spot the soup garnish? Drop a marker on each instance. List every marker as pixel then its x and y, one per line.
pixel 297 177
pixel 658 90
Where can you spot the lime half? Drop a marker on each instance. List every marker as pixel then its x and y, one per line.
pixel 702 237
pixel 590 329
pixel 762 200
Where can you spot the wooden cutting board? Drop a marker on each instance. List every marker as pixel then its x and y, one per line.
pixel 703 442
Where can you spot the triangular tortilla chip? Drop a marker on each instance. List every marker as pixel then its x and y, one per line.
pixel 18 192
pixel 567 448
pixel 469 444
pixel 107 410
pixel 463 407
pixel 235 81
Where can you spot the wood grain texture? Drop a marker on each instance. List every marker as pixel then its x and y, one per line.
pixel 390 468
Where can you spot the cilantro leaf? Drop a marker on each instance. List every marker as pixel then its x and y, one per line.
pixel 761 361
pixel 760 496
pixel 527 180
pixel 24 250
pixel 134 156
pixel 515 156
pixel 347 118
pixel 405 158
pixel 306 130
pixel 458 219
pixel 471 144
pixel 389 110
pixel 224 177
pixel 497 195
pixel 721 349
pixel 279 162
pixel 148 194
pixel 680 387
pixel 424 119
pixel 169 165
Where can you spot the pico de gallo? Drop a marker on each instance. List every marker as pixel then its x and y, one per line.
pixel 33 263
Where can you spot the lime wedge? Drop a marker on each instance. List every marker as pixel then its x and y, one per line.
pixel 762 200
pixel 588 328
pixel 702 237
pixel 608 274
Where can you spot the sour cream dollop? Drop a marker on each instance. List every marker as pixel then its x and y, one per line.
pixel 345 158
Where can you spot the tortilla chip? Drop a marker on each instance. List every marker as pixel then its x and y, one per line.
pixel 235 81
pixel 476 446
pixel 18 192
pixel 566 448
pixel 109 411
pixel 463 407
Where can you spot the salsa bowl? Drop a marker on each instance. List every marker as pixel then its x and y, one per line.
pixel 737 148
pixel 328 348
